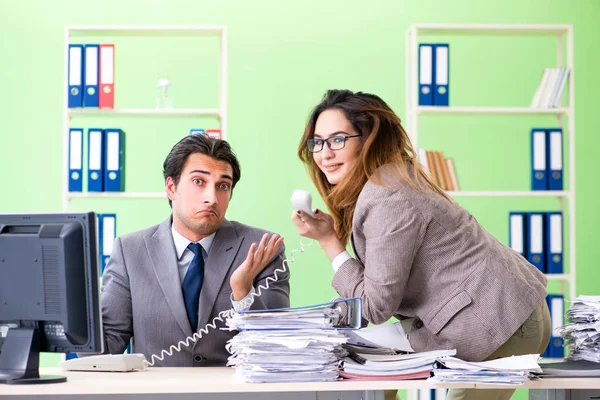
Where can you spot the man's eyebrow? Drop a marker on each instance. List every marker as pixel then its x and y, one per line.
pixel 203 172
pixel 199 171
pixel 332 134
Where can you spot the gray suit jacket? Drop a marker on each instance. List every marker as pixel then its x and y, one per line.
pixel 141 293
pixel 420 256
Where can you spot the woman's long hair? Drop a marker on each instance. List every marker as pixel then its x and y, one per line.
pixel 384 141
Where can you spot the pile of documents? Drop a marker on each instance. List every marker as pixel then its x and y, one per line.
pixel 582 331
pixel 570 369
pixel 302 355
pixel 382 352
pixel 510 371
pixel 291 345
pixel 391 367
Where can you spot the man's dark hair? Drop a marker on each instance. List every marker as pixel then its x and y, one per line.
pixel 214 148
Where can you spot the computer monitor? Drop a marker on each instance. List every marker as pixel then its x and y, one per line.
pixel 49 295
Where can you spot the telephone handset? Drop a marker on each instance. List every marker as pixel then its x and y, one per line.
pixel 302 200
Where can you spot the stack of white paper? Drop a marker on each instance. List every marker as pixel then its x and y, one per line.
pixel 512 370
pixel 397 366
pixel 300 355
pixel 292 344
pixel 582 331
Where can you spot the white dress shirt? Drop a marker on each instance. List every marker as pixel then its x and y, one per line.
pixel 185 256
pixel 340 259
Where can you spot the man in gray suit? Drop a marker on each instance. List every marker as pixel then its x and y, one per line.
pixel 164 283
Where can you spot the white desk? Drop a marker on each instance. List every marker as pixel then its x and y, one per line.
pixel 221 383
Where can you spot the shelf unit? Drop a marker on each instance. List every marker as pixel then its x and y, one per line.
pixel 424 110
pixel 149 31
pixel 117 195
pixel 540 193
pixel 414 111
pixel 563 35
pixel 145 112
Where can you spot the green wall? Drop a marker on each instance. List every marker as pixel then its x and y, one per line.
pixel 282 57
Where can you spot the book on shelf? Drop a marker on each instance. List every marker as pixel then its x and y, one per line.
pixel 549 91
pixel 440 169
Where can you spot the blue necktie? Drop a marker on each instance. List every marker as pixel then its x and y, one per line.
pixel 192 283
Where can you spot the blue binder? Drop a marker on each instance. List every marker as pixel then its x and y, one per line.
pixel 554 242
pixel 108 223
pixel 114 168
pixel 535 240
pixel 195 131
pixel 95 160
pixel 426 68
pixel 516 232
pixel 75 160
pixel 90 87
pixel 539 180
pixel 554 147
pixel 75 75
pixel 556 305
pixel 441 76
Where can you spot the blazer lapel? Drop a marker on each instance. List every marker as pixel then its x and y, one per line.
pixel 220 259
pixel 163 258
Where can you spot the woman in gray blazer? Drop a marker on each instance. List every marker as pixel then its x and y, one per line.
pixel 419 256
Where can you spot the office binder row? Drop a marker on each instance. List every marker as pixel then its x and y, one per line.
pixel 546 159
pixel 538 236
pixel 440 169
pixel 556 305
pixel 211 133
pixel 107 232
pixel 434 64
pixel 550 89
pixel 106 160
pixel 91 75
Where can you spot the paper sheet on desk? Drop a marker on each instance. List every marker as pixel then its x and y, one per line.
pixel 527 362
pixel 385 335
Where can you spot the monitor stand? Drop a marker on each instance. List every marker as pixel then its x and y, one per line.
pixel 20 358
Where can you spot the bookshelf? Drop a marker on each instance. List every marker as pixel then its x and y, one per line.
pixel 538 193
pixel 564 39
pixel 430 110
pixel 75 32
pixel 145 111
pixel 562 33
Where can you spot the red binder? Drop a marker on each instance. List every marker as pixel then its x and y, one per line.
pixel 107 76
pixel 213 133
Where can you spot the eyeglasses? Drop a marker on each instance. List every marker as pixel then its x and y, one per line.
pixel 334 143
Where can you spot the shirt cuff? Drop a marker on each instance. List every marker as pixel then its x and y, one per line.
pixel 340 259
pixel 245 303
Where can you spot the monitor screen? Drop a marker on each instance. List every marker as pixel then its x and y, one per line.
pixel 49 294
